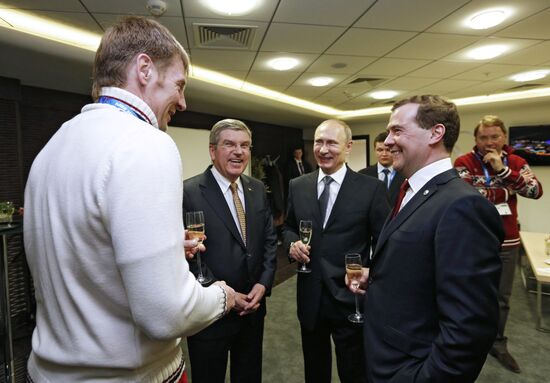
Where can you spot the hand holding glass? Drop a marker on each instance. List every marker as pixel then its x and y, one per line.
pixel 354 271
pixel 194 221
pixel 306 231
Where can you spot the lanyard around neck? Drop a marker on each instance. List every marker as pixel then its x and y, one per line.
pixel 486 170
pixel 125 107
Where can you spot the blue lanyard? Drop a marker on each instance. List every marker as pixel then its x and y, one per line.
pixel 486 171
pixel 125 107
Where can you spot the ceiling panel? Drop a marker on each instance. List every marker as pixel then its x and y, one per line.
pixel 444 69
pixel 50 5
pixel 369 42
pixel 513 45
pixel 533 55
pixel 272 78
pixel 456 23
pixel 407 15
pixel 300 38
pixel 407 83
pixel 321 12
pixel 334 64
pixel 444 87
pixel 534 27
pixel 393 67
pixel 262 61
pixel 304 78
pixel 432 46
pixel 305 91
pixel 197 9
pixel 488 72
pixel 129 7
pixel 223 60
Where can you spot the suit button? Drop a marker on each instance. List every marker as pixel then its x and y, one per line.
pixel 370 281
pixel 248 255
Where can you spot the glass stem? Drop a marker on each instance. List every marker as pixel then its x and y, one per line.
pixel 199 264
pixel 357 305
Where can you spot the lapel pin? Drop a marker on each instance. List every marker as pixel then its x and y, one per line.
pixel 426 192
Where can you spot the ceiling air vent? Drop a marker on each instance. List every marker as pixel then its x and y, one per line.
pixel 372 81
pixel 224 36
pixel 524 86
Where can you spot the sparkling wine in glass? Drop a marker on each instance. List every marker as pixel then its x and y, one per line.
pixel 194 222
pixel 354 270
pixel 306 231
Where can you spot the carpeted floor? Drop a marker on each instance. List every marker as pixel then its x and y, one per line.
pixel 282 359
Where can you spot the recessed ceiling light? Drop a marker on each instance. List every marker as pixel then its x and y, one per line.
pixel 283 63
pixel 231 7
pixel 488 18
pixel 487 52
pixel 320 81
pixel 531 75
pixel 383 94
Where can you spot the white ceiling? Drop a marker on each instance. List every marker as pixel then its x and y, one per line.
pixel 411 46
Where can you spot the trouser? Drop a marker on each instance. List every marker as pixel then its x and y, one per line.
pixel 509 260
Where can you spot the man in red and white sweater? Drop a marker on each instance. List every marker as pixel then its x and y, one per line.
pixel 499 175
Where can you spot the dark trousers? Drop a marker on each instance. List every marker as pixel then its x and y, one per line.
pixel 209 357
pixel 348 342
pixel 509 258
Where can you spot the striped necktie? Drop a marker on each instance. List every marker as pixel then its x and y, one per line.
pixel 239 208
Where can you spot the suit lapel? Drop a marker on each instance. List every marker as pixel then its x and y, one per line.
pixel 421 196
pixel 346 189
pixel 214 197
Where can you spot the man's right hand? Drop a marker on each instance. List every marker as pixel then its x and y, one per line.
pixel 230 295
pixel 299 252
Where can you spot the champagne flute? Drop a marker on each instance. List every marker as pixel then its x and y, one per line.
pixel 354 271
pixel 194 221
pixel 306 231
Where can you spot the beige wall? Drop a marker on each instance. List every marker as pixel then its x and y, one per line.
pixel 534 214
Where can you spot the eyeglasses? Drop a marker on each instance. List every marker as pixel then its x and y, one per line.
pixel 230 146
pixel 494 137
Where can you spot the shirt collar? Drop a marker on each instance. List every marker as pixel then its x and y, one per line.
pixel 422 176
pixel 337 176
pixel 224 182
pixel 131 99
pixel 381 167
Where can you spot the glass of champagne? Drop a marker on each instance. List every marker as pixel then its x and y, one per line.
pixel 306 231
pixel 354 271
pixel 194 221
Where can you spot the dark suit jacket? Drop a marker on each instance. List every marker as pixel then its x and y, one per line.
pixel 293 170
pixel 226 256
pixel 431 304
pixel 355 222
pixel 395 184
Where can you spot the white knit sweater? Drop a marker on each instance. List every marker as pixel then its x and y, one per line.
pixel 104 242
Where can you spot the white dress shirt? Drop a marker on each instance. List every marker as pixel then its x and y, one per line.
pixel 334 187
pixel 228 195
pixel 422 176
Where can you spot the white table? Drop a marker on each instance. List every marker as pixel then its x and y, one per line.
pixel 534 246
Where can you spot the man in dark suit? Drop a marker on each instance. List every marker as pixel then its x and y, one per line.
pixel 383 170
pixel 431 305
pixel 298 166
pixel 356 207
pixel 240 249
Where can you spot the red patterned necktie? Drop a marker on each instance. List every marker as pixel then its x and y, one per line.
pixel 402 191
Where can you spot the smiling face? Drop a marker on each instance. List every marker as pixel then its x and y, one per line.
pixel 490 137
pixel 331 146
pixel 165 93
pixel 231 153
pixel 408 142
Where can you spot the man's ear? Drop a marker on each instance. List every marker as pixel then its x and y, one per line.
pixel 438 133
pixel 144 68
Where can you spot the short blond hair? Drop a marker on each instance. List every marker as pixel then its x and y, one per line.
pixel 123 41
pixel 490 120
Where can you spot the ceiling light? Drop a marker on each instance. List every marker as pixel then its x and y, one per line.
pixel 487 52
pixel 49 29
pixel 320 81
pixel 488 18
pixel 283 63
pixel 383 94
pixel 530 76
pixel 232 7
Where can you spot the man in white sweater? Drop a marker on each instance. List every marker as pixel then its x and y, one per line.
pixel 104 235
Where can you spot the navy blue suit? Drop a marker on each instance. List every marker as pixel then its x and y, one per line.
pixel 431 304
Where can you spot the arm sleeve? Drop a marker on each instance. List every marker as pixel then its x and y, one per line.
pixel 270 248
pixel 513 179
pixel 494 194
pixel 290 229
pixel 143 195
